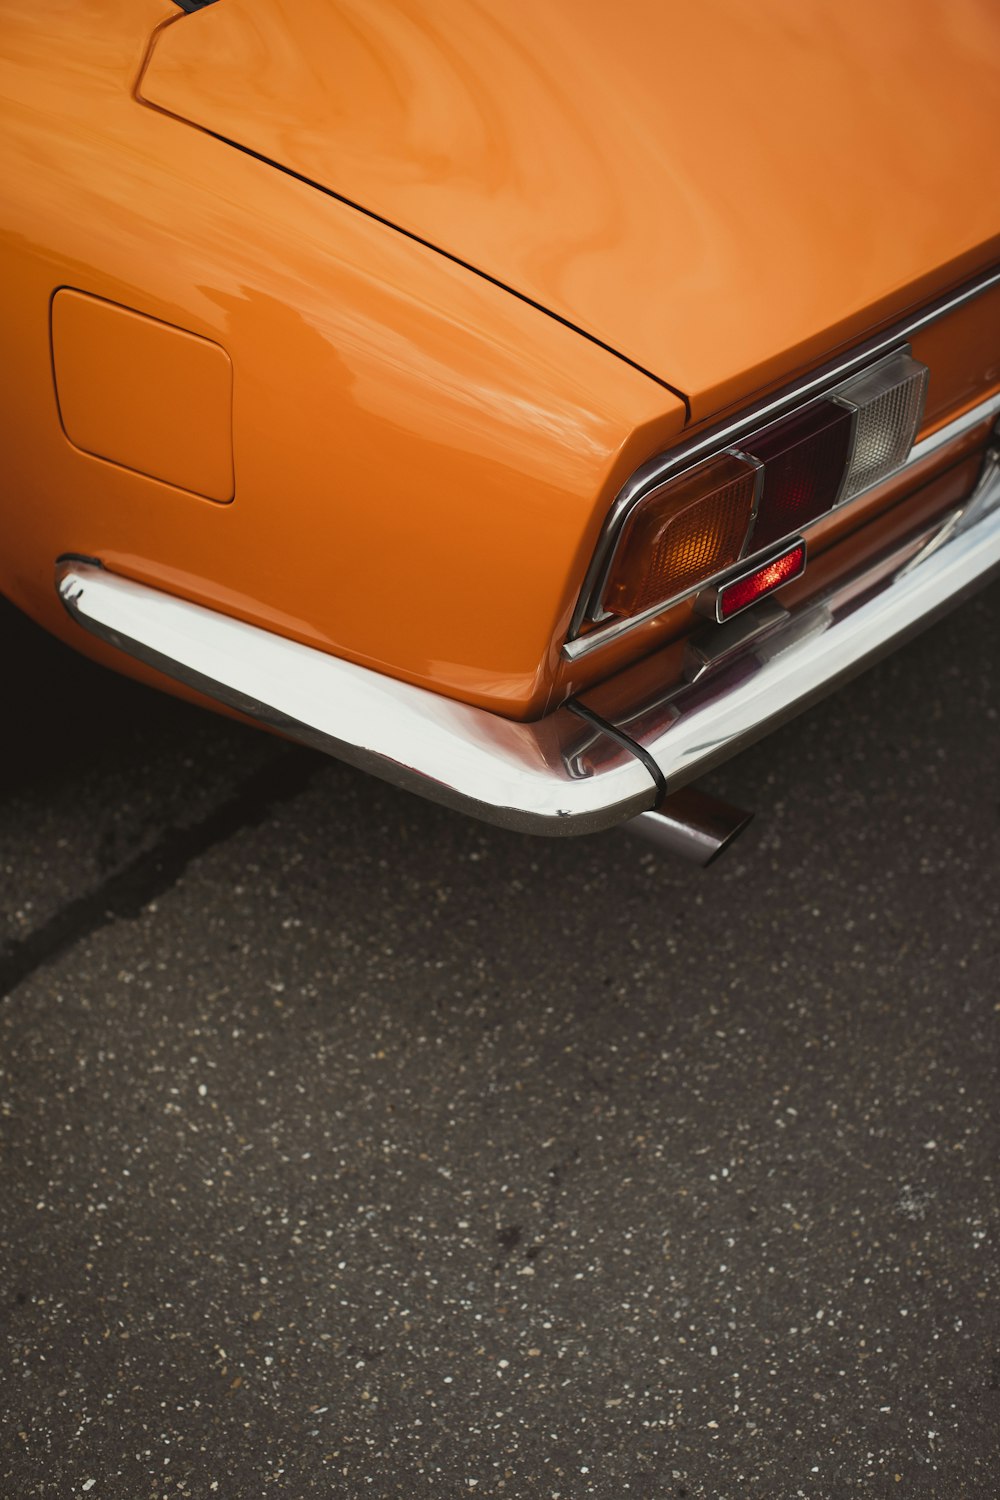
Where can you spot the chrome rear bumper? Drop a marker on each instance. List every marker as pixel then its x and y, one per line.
pixel 565 774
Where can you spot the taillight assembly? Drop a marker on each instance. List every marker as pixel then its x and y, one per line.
pixel 741 503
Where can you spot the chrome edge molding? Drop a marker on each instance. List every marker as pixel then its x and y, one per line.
pixel 956 428
pixel 557 776
pixel 664 466
pixel 563 774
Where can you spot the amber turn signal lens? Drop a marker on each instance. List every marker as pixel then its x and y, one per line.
pixel 681 534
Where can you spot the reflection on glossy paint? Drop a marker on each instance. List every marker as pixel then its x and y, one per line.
pixel 422 461
pixel 720 191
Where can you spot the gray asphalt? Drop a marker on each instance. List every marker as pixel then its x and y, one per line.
pixel 354 1149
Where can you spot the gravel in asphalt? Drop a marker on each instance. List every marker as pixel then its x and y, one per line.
pixel 353 1148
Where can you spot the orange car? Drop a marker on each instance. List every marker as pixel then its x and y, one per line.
pixel 529 403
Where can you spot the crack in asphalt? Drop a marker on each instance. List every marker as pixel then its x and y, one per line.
pixel 126 893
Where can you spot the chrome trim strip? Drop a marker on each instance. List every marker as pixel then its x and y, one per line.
pixel 758 490
pixel 557 776
pixel 823 643
pixel 957 428
pixel 562 774
pixel 666 465
pixel 573 650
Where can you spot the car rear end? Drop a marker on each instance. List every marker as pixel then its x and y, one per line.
pixel 592 390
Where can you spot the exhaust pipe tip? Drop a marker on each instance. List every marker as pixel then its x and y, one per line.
pixel 691 824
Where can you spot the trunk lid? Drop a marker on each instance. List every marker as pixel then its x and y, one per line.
pixel 722 193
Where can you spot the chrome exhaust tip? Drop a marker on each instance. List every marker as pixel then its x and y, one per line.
pixel 691 824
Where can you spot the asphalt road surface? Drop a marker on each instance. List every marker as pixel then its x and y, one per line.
pixel 351 1148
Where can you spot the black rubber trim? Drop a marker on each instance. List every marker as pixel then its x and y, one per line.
pixel 589 717
pixel 190 5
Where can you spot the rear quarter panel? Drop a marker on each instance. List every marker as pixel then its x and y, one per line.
pixel 422 461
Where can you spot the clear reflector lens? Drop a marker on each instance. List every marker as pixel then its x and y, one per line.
pixel 681 534
pixel 889 401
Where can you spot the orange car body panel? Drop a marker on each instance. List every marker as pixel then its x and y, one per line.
pixel 723 192
pixel 128 386
pixel 422 461
pixel 962 354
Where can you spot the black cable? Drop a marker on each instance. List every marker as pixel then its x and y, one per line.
pixel 589 717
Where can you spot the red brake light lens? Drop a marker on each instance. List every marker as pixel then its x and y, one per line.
pixel 765 578
pixel 804 460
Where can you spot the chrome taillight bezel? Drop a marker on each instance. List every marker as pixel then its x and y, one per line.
pixel 588 631
pixel 878 378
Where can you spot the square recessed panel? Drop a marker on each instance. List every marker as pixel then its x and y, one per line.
pixel 144 395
